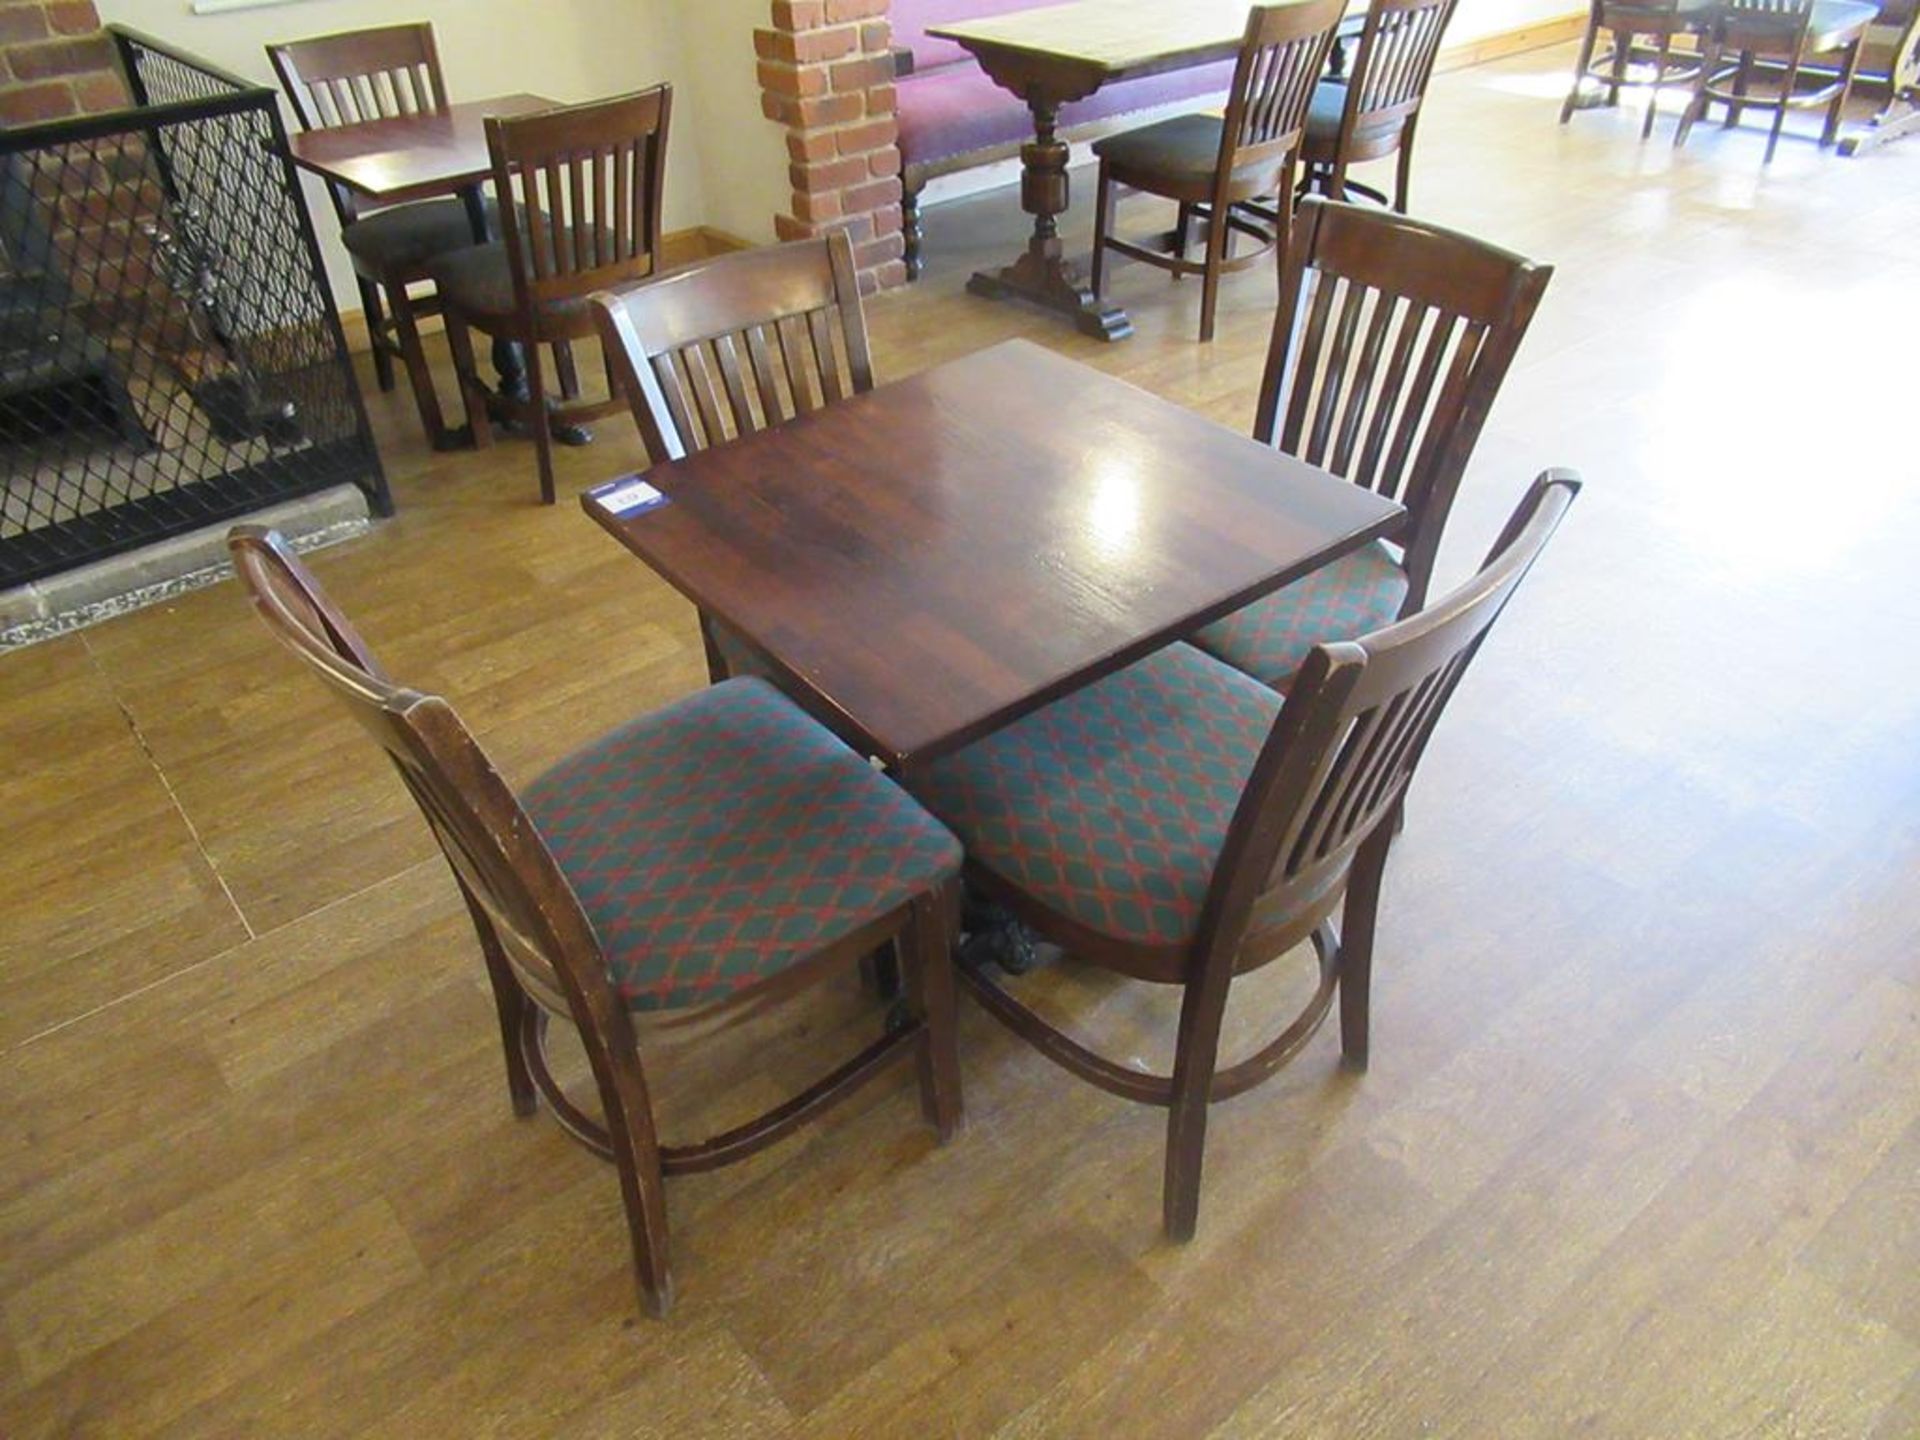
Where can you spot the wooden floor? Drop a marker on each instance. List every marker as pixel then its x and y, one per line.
pixel 1639 1154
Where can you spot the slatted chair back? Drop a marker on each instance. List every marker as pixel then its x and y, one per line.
pixel 740 344
pixel 1394 62
pixel 1347 741
pixel 1391 342
pixel 1281 60
pixel 360 75
pixel 580 191
pixel 502 866
pixel 1776 27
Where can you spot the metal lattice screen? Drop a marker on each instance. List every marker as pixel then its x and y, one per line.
pixel 169 357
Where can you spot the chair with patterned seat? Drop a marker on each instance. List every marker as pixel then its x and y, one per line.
pixel 686 870
pixel 1391 342
pixel 736 345
pixel 1180 824
pixel 363 75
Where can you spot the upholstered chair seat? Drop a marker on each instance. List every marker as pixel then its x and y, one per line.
pixel 1270 638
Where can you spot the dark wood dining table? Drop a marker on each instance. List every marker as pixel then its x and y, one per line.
pixel 422 157
pixel 1051 56
pixel 929 561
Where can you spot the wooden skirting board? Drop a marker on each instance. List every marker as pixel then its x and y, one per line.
pixel 1535 36
pixel 677 248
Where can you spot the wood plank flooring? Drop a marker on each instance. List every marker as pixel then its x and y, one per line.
pixel 1639 1154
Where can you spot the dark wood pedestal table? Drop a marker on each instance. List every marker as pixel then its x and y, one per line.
pixel 1061 53
pixel 421 157
pixel 932 560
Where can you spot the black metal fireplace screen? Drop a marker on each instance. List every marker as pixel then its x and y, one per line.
pixel 169 357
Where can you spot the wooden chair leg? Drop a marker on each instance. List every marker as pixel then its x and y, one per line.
pixel 567 371
pixel 1834 111
pixel 539 422
pixel 1403 173
pixel 628 1115
pixel 1196 1055
pixel 1103 214
pixel 1217 232
pixel 370 307
pixel 473 391
pixel 1697 102
pixel 1356 939
pixel 1787 87
pixel 1182 229
pixel 414 356
pixel 511 1003
pixel 1659 73
pixel 1617 76
pixel 927 949
pixel 1580 67
pixel 1742 82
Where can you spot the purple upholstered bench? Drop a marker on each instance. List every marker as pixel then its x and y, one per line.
pixel 952 117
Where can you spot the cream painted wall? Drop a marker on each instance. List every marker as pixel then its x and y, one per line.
pixel 1477 19
pixel 743 154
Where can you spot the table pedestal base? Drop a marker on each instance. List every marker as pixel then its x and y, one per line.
pixel 1901 117
pixel 1053 282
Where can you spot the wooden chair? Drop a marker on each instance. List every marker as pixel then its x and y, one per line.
pixel 1181 825
pixel 366 75
pixel 1642 32
pixel 580 196
pixel 1392 339
pixel 737 345
pixel 602 897
pixel 1374 111
pixel 1781 37
pixel 1214 166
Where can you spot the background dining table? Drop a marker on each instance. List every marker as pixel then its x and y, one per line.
pixel 929 561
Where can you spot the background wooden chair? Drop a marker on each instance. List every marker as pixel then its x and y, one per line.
pixel 1390 344
pixel 580 192
pixel 1642 33
pixel 1180 824
pixel 1375 110
pixel 1214 165
pixel 601 897
pixel 365 75
pixel 1774 40
pixel 732 347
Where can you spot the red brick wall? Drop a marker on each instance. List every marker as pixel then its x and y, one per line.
pixel 58 62
pixel 826 73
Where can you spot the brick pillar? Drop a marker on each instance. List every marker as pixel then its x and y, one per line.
pixel 826 73
pixel 58 62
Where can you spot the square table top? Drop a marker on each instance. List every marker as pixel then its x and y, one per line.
pixel 410 157
pixel 1116 38
pixel 944 554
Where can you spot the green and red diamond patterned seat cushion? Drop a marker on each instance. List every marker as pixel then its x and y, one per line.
pixel 720 839
pixel 1111 804
pixel 1354 596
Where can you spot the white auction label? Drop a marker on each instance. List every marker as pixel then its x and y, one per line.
pixel 628 496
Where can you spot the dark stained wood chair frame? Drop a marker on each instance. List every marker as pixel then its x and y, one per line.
pixel 1309 837
pixel 732 347
pixel 1386 88
pixel 1781 32
pixel 580 190
pixel 1392 396
pixel 1627 22
pixel 1281 58
pixel 345 79
pixel 543 957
